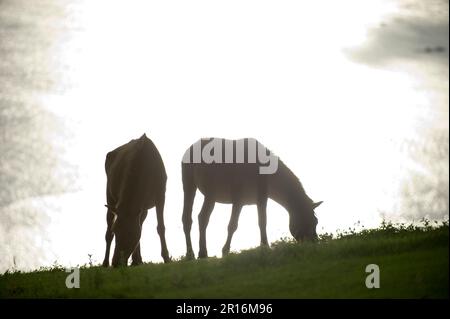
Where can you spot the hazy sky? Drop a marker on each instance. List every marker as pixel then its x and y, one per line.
pixel 352 95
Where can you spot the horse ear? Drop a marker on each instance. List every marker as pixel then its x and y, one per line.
pixel 315 205
pixel 110 207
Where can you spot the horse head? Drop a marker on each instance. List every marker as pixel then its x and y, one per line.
pixel 127 231
pixel 303 221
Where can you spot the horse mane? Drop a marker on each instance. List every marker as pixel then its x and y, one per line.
pixel 293 180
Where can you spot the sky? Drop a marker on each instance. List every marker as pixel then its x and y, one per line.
pixel 352 95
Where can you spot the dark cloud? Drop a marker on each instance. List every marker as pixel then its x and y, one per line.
pixel 410 34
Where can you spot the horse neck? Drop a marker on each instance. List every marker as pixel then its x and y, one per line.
pixel 285 188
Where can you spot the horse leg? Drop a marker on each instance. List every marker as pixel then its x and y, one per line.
pixel 203 220
pixel 161 228
pixel 136 256
pixel 262 220
pixel 108 236
pixel 189 195
pixel 232 226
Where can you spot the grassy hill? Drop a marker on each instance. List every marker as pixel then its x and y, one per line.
pixel 413 262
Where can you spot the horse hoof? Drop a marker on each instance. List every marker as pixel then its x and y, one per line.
pixel 202 255
pixel 190 255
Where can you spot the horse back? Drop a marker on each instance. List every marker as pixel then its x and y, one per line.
pixel 223 181
pixel 136 175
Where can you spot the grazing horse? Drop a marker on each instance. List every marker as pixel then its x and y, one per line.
pixel 226 171
pixel 136 182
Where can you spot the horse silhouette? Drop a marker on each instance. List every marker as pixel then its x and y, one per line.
pixel 225 177
pixel 136 182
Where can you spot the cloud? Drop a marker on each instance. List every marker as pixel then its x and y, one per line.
pixel 413 33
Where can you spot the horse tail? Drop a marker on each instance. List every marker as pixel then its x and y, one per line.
pixel 189 188
pixel 187 176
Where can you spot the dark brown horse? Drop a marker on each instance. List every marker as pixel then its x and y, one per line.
pixel 136 182
pixel 227 171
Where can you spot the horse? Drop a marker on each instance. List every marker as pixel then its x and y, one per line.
pixel 226 171
pixel 136 182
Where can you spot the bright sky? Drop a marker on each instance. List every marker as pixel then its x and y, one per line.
pixel 273 70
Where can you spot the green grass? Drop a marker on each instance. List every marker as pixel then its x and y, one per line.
pixel 413 263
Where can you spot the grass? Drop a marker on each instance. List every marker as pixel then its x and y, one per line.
pixel 413 262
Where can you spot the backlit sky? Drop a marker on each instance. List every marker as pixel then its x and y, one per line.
pixel 338 89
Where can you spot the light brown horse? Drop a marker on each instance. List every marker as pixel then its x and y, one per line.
pixel 136 182
pixel 236 178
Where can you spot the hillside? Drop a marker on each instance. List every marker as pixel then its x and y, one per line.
pixel 413 263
